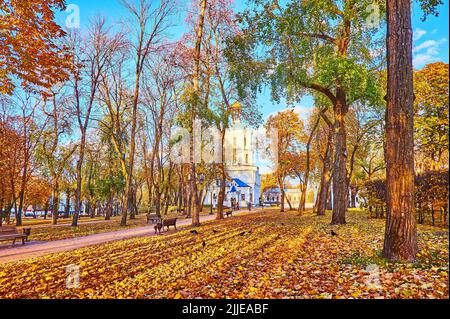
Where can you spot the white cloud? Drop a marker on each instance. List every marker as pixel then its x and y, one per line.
pixel 427 51
pixel 422 59
pixel 418 33
pixel 424 45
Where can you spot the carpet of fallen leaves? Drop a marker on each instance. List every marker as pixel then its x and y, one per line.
pixel 262 255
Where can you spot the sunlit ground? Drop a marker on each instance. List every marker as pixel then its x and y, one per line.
pixel 262 255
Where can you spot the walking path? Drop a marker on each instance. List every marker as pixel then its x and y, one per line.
pixel 36 249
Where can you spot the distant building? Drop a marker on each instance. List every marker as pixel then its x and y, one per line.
pixel 272 196
pixel 294 195
pixel 245 180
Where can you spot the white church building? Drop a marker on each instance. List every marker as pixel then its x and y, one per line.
pixel 244 183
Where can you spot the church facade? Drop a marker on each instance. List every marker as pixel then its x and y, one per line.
pixel 244 182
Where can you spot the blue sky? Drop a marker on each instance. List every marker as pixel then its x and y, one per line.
pixel 430 37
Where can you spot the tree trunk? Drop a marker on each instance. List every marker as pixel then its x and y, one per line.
pixel 55 207
pixel 133 203
pixel 47 205
pixel 223 179
pixel 288 201
pixel 93 210
pixel 326 176
pixel 302 204
pixel 400 242
pixel 432 216
pixel 281 186
pixel 67 207
pixel 79 168
pixel 157 202
pixel 196 98
pixel 109 207
pixel 340 196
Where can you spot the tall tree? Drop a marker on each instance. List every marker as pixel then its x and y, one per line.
pixel 290 130
pixel 194 104
pixel 325 145
pixel 30 50
pixel 54 153
pixel 431 122
pixel 400 242
pixel 90 54
pixel 151 26
pixel 30 131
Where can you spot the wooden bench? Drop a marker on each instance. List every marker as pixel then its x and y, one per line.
pixel 153 219
pixel 229 213
pixel 10 233
pixel 170 222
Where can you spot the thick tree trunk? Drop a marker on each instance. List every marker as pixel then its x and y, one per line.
pixel 22 192
pixel 340 196
pixel 400 242
pixel 109 207
pixel 157 202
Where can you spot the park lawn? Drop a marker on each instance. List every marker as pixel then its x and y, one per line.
pixel 261 255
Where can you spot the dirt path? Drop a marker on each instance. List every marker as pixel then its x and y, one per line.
pixel 36 249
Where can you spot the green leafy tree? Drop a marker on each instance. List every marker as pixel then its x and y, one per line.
pixel 325 48
pixel 431 117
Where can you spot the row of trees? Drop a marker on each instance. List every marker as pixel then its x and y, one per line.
pixel 331 49
pixel 100 134
pixel 95 110
pixel 431 198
